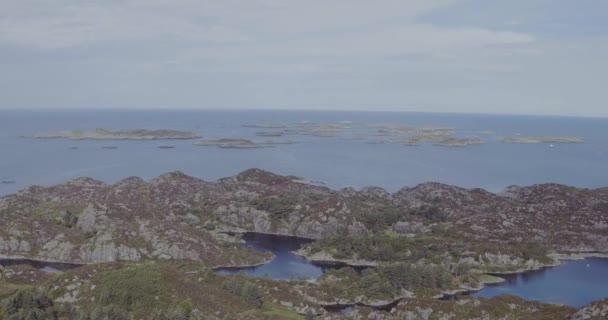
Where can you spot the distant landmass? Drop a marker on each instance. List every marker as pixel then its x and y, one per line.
pixel 542 139
pixel 103 134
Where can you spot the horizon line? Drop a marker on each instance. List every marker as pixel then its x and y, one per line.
pixel 131 109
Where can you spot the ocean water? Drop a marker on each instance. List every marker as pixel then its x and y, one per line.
pixel 336 161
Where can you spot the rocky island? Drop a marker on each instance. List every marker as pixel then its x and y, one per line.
pixel 142 243
pixel 104 134
pixel 231 143
pixel 542 139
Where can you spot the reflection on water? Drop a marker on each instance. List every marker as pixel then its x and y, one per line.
pixel 573 283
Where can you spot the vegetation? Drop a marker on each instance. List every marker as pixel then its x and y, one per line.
pixel 379 218
pixel 246 290
pixel 132 287
pixel 278 207
pixel 379 247
pixel 28 305
pixel 69 219
pixel 385 283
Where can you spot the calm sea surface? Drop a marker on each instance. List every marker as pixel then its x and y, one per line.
pixel 338 161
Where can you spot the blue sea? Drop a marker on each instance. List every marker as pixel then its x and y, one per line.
pixel 336 161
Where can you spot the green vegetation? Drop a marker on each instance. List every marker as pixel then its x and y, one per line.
pixel 386 282
pixel 414 277
pixel 119 294
pixel 379 218
pixel 430 212
pixel 380 247
pixel 68 219
pixel 246 290
pixel 278 207
pixel 28 305
pixel 273 311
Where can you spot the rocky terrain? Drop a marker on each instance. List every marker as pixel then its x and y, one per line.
pixel 87 220
pixel 104 134
pixel 421 241
pixel 231 143
pixel 542 140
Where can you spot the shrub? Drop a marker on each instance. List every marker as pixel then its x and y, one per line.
pixel 247 291
pixel 69 219
pixel 131 287
pixel 28 304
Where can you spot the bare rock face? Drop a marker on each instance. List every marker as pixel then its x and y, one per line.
pixel 175 216
pixel 595 311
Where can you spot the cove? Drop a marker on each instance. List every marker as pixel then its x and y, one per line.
pixel 574 283
pixel 285 265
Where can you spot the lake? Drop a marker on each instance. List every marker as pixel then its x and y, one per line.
pixel 284 265
pixel 51 267
pixel 574 282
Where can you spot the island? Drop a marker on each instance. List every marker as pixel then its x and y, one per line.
pixel 265 126
pixel 134 243
pixel 231 143
pixel 104 134
pixel 459 142
pixel 534 140
pixel 269 133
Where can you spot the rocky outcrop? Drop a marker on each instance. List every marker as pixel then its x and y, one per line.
pixel 595 311
pixel 175 216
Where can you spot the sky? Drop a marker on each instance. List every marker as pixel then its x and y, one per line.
pixel 478 56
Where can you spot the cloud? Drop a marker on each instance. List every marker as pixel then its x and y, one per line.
pixel 291 53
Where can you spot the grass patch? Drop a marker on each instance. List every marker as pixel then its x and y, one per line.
pixel 143 283
pixel 490 278
pixel 280 312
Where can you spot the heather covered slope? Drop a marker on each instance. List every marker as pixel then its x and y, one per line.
pixel 176 216
pixel 423 241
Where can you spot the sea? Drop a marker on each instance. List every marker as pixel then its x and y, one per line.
pixel 348 159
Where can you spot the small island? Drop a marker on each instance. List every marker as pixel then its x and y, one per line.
pixel 542 140
pixel 459 142
pixel 269 133
pixel 104 134
pixel 232 143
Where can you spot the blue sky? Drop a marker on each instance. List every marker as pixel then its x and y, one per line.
pixel 517 56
